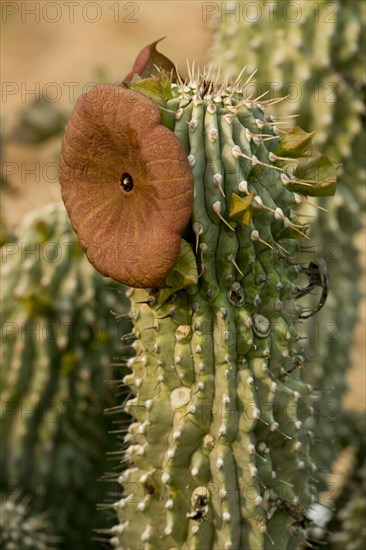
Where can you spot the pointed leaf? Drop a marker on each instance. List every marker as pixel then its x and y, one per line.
pixel 320 172
pixel 295 143
pixel 241 208
pixel 147 61
pixel 184 273
pixel 151 87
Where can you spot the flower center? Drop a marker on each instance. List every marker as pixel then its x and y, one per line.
pixel 126 182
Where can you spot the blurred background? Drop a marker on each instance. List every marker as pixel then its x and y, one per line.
pixel 50 53
pixel 58 51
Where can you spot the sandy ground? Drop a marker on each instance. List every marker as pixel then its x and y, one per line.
pixel 56 48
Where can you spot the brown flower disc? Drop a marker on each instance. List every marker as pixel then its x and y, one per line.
pixel 126 184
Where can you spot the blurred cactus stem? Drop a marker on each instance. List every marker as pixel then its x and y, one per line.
pixel 60 339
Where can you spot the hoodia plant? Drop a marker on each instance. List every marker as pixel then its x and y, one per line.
pixel 187 192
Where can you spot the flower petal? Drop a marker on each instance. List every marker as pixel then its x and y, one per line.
pixel 132 236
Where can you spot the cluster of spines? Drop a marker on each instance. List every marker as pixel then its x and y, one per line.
pixel 20 530
pixel 218 454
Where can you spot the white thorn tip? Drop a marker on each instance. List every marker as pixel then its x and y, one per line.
pixel 217 209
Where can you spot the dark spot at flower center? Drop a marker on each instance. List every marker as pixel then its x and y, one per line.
pixel 126 182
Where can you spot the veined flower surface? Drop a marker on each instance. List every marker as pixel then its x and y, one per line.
pixel 126 184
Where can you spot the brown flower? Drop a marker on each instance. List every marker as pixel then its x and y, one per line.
pixel 126 184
